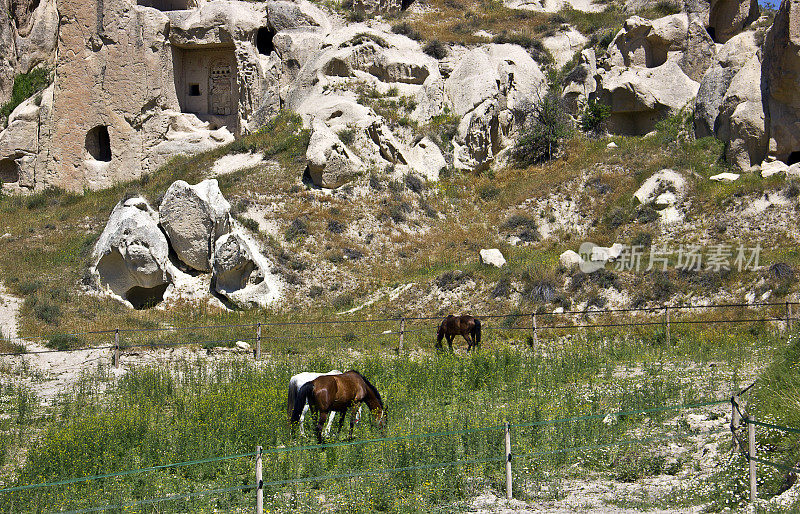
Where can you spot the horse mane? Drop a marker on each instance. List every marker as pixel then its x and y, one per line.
pixel 371 387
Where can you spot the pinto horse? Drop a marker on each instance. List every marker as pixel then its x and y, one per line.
pixel 338 393
pixel 465 326
pixel 299 380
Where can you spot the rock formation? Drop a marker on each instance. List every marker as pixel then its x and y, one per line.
pixel 131 258
pixel 241 273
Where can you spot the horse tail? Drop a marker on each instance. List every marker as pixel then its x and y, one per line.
pixel 290 400
pixel 476 332
pixel 306 393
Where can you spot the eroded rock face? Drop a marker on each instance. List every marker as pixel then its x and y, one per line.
pixel 726 18
pixel 781 78
pixel 649 44
pixel 330 163
pixel 741 120
pixel 241 273
pixel 731 57
pixel 131 258
pixel 194 217
pixel 640 97
pixel 580 82
pixel 19 143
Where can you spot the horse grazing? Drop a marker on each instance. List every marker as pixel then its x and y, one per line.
pixel 338 393
pixel 465 326
pixel 295 383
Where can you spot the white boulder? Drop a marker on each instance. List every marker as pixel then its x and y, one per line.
pixel 242 274
pixel 330 163
pixel 194 217
pixel 661 182
pixel 492 257
pixel 130 260
pixel 426 159
pixel 570 259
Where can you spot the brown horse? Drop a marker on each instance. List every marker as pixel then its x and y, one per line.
pixel 465 326
pixel 338 393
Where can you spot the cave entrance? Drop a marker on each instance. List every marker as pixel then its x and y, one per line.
pixel 145 297
pixel 166 5
pixel 206 84
pixel 264 43
pixel 9 171
pixel 793 158
pixel 712 32
pixel 98 143
pixel 405 4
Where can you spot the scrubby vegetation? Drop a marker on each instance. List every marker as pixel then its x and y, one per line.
pixel 25 86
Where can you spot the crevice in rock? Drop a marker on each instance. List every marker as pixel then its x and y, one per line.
pixel 145 297
pixel 9 171
pixel 405 4
pixel 264 42
pixel 98 143
pixel 793 158
pixel 166 5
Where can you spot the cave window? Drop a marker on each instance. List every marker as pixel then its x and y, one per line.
pixel 146 297
pixel 264 40
pixel 166 5
pixel 194 89
pixel 405 4
pixel 9 171
pixel 98 143
pixel 793 158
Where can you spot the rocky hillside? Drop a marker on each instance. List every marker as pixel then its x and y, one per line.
pixel 366 152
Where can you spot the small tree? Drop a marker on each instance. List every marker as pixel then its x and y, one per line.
pixel 544 126
pixel 594 116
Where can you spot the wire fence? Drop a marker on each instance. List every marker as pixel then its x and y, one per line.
pixel 399 333
pixel 516 450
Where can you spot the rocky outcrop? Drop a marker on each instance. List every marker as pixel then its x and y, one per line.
pixel 580 82
pixel 727 18
pixel 640 97
pixel 649 44
pixel 241 273
pixel 330 163
pixel 730 58
pixel 426 159
pixel 131 259
pixel 781 79
pixel 19 143
pixel 194 217
pixel 741 122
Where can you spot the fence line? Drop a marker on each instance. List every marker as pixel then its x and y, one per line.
pixel 535 327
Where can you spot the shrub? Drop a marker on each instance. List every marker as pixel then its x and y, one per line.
pixel 545 126
pixel 524 226
pixel 533 46
pixel 296 230
pixel 435 49
pixel 46 311
pixel 407 30
pixel 63 342
pixel 594 116
pixel 25 86
pixel 415 183
pixel 335 227
pixel 450 280
pixel 248 223
pixel 347 135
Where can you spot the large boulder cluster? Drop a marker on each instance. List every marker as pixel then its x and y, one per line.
pixel 143 256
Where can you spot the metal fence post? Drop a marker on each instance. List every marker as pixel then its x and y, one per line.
pixel 259 482
pixel 257 354
pixel 666 309
pixel 751 454
pixel 509 481
pixel 402 332
pixel 116 348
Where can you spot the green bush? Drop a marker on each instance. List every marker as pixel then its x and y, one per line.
pixel 435 49
pixel 545 127
pixel 25 86
pixel 594 116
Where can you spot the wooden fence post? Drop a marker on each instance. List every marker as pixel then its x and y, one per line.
pixel 257 354
pixel 666 313
pixel 509 481
pixel 788 317
pixel 751 453
pixel 533 328
pixel 735 420
pixel 116 348
pixel 259 482
pixel 402 332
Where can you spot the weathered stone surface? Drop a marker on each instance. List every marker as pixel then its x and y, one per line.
pixel 478 141
pixel 19 142
pixel 194 217
pixel 727 18
pixel 330 163
pixel 388 146
pixel 741 120
pixel 426 159
pixel 131 259
pixel 729 60
pixel 37 37
pixel 570 259
pixel 649 44
pixel 492 257
pixel 700 49
pixel 781 77
pixel 580 82
pixel 373 7
pixel 564 45
pixel 241 273
pixel 640 97
pixel 658 183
